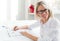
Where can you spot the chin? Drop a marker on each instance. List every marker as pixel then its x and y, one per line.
pixel 44 17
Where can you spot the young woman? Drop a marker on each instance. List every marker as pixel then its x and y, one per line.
pixel 49 25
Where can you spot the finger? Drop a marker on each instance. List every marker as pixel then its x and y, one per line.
pixel 15 28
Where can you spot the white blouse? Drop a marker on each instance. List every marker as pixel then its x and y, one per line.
pixel 48 31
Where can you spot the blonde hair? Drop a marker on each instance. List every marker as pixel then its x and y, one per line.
pixel 42 3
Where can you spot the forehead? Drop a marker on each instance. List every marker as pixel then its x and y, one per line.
pixel 41 7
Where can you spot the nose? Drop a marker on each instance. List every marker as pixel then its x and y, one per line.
pixel 43 14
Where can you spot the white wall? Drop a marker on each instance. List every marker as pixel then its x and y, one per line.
pixel 16 9
pixel 57 16
pixel 3 10
pixel 8 10
pixel 21 10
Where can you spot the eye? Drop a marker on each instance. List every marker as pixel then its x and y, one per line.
pixel 46 11
pixel 40 12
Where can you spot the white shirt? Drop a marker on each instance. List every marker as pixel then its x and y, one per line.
pixel 48 31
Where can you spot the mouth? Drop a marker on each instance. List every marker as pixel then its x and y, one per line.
pixel 44 16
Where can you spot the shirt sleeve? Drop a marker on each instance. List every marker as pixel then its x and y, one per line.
pixel 34 25
pixel 55 24
pixel 58 32
pixel 55 31
pixel 38 39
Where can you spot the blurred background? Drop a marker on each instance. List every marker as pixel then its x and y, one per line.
pixel 16 10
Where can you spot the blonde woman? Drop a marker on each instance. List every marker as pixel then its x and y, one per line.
pixel 49 25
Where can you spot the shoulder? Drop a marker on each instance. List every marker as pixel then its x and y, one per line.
pixel 35 24
pixel 54 21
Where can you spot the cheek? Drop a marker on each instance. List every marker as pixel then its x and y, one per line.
pixel 47 15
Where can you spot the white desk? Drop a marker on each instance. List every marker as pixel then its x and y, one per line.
pixel 8 35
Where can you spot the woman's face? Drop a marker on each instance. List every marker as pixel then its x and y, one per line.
pixel 42 12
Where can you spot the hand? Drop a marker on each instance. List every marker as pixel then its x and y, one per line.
pixel 16 28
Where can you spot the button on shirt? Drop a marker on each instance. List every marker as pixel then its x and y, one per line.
pixel 48 31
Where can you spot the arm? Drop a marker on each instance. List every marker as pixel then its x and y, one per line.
pixel 19 28
pixel 27 26
pixel 34 38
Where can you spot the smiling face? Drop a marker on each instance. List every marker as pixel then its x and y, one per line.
pixel 42 12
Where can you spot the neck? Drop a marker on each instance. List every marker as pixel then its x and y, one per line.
pixel 44 20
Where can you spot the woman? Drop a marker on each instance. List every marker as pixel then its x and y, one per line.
pixel 49 25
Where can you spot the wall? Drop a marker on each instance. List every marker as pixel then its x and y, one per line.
pixel 3 10
pixel 57 16
pixel 21 10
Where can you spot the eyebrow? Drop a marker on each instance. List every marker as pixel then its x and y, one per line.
pixel 43 10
